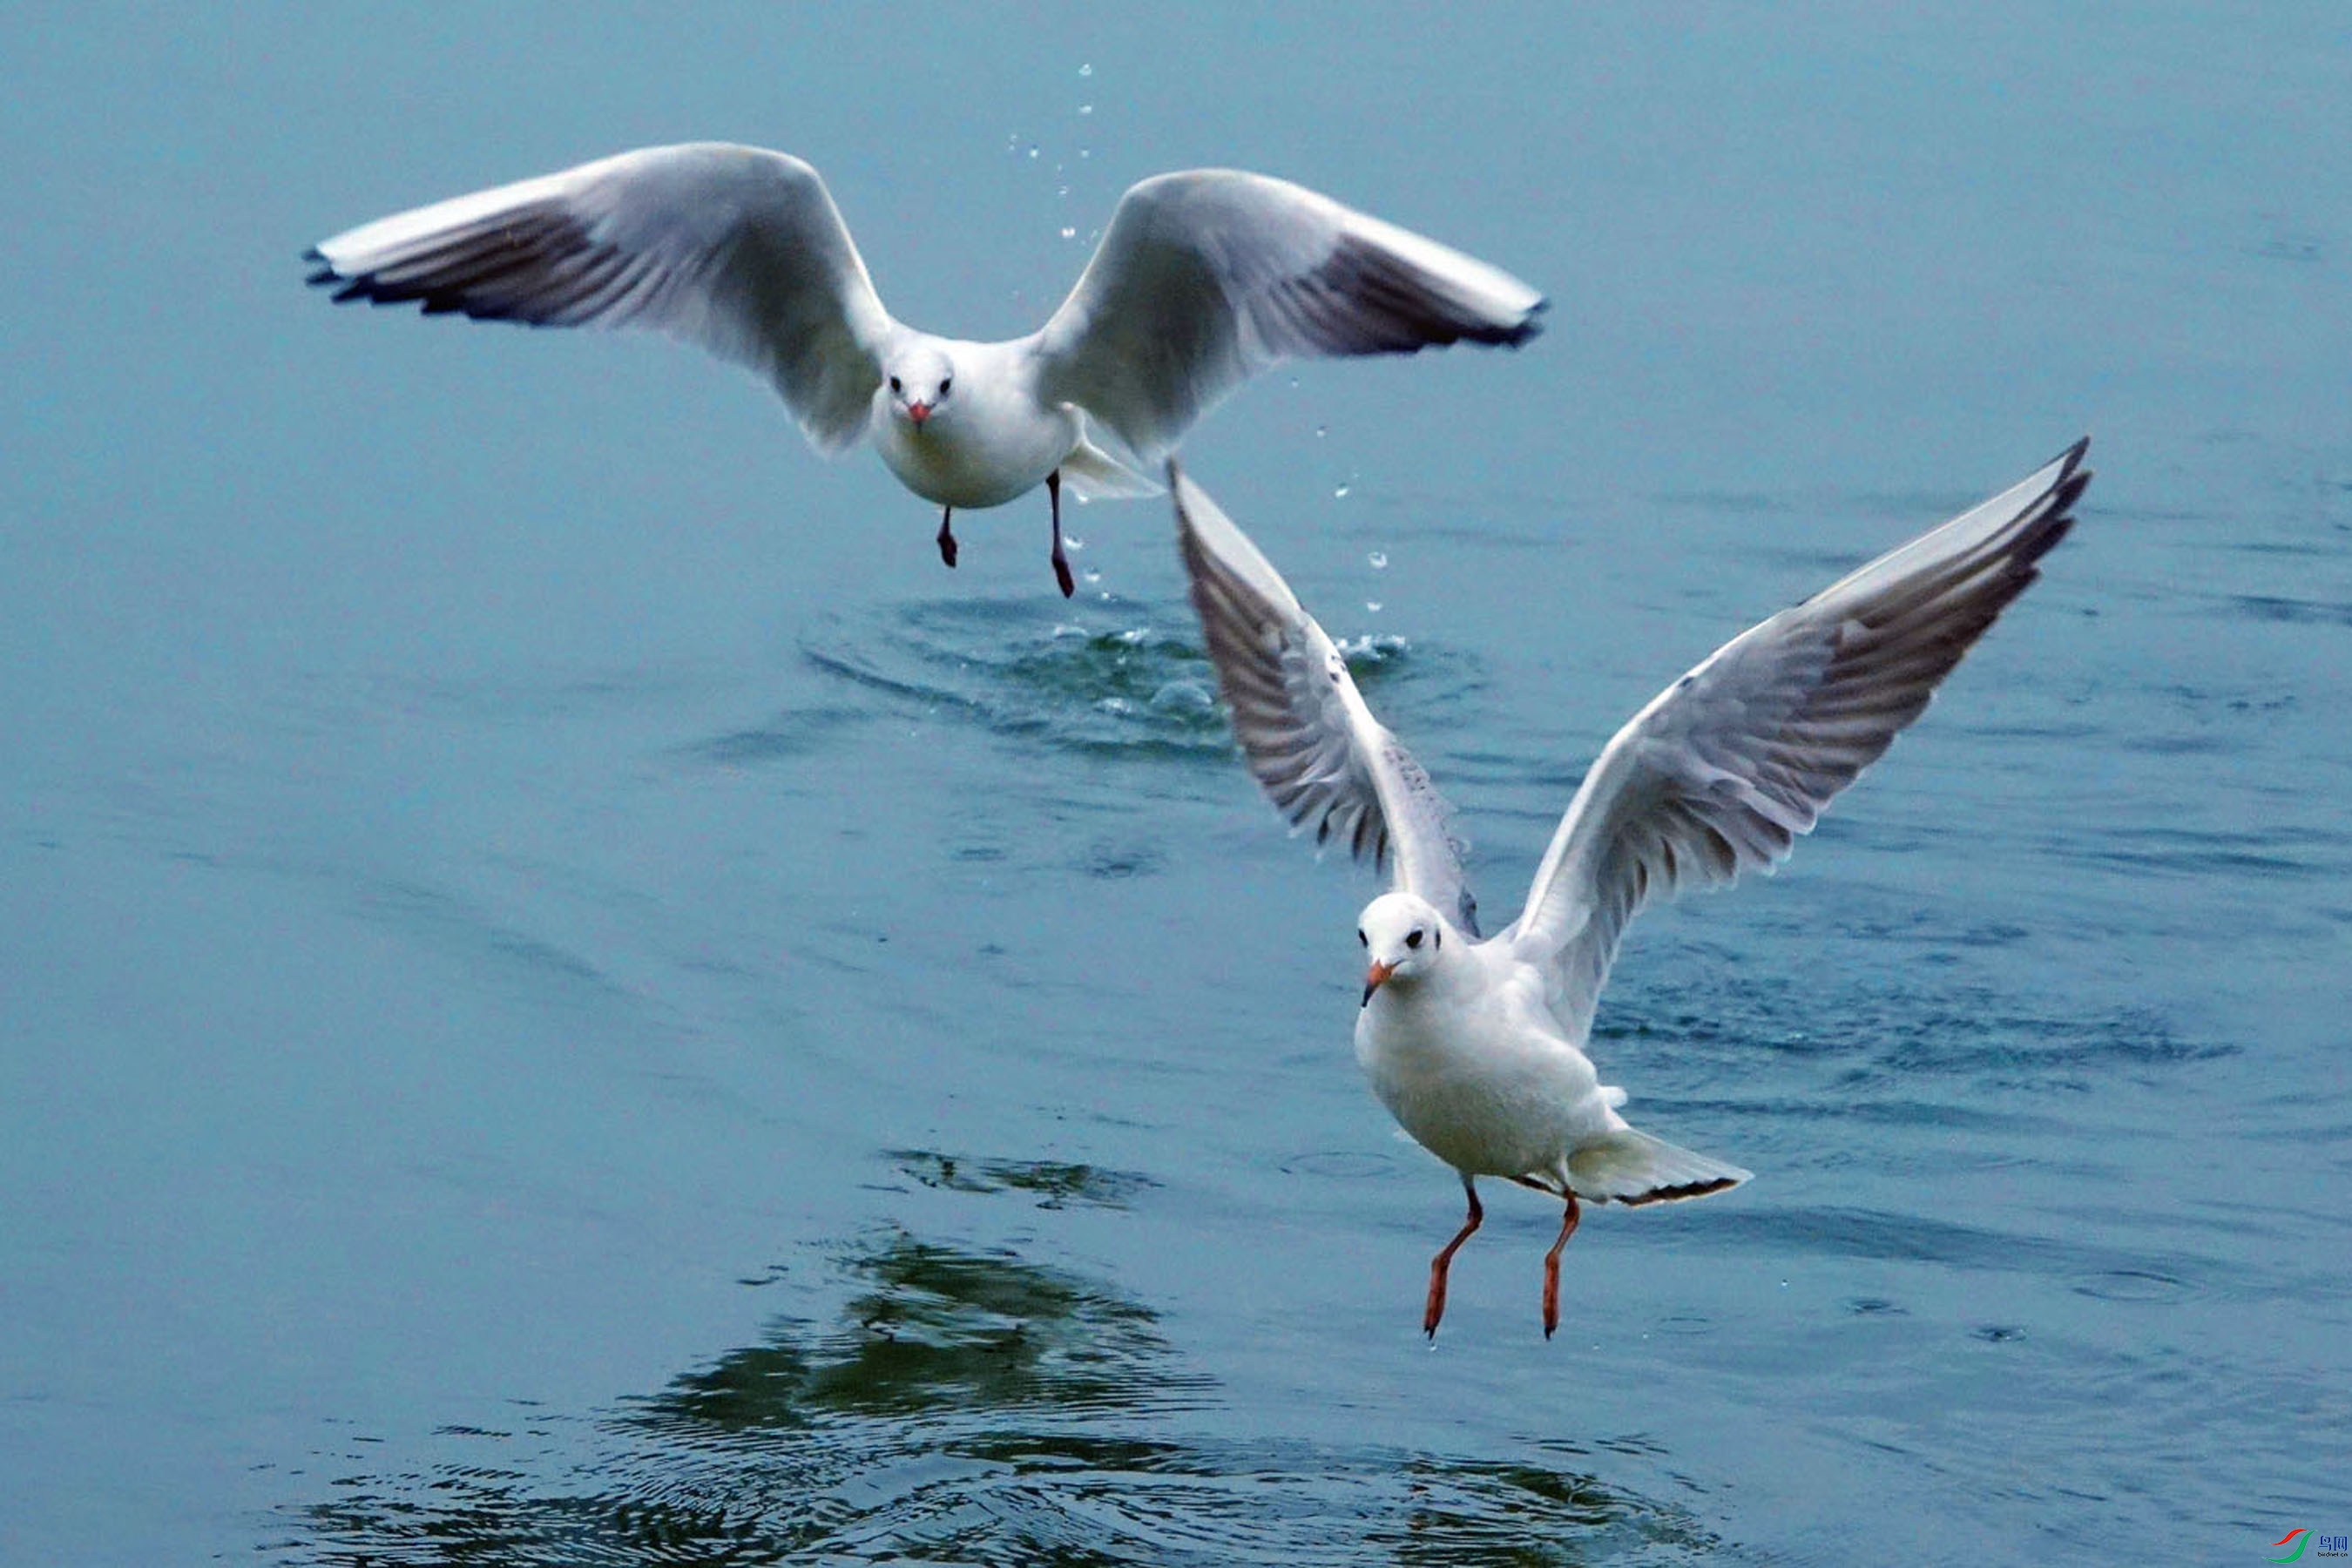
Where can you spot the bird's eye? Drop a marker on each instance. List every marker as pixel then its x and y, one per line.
pixel 895 386
pixel 945 384
pixel 1412 938
pixel 1363 940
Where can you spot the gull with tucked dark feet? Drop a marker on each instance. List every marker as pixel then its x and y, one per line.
pixel 1203 278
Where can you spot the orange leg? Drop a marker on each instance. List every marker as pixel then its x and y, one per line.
pixel 1552 1268
pixel 1438 1265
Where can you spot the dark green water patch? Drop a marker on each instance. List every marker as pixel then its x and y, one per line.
pixel 966 1406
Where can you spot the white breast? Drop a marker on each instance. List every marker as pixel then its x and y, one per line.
pixel 989 443
pixel 1477 1083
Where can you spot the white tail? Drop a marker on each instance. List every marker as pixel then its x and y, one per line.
pixel 1631 1167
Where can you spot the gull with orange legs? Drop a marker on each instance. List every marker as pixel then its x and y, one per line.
pixel 1477 1047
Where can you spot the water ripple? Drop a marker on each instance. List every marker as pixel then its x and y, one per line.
pixel 1139 686
pixel 2293 611
pixel 1899 1040
pixel 1056 1184
pixel 790 735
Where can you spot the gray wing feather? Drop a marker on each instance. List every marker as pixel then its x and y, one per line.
pixel 738 249
pixel 1206 277
pixel 1723 770
pixel 1304 730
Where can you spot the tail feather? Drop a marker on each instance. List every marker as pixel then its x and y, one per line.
pixel 1099 468
pixel 1631 1167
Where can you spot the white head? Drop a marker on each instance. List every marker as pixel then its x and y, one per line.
pixel 917 381
pixel 1402 936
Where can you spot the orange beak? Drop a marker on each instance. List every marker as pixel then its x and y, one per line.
pixel 1375 977
pixel 918 412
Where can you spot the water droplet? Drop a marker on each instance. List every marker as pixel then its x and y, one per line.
pixel 1086 151
pixel 1380 560
pixel 1086 69
pixel 1090 579
pixel 1073 541
pixel 1086 108
pixel 1069 234
pixel 1062 190
pixel 1032 151
pixel 1373 605
pixel 1183 697
pixel 1320 430
pixel 1339 494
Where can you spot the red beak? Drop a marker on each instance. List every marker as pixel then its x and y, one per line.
pixel 1375 977
pixel 918 412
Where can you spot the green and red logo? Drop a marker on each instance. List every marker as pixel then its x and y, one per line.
pixel 2337 1545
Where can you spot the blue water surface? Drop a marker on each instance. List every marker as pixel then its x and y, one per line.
pixel 567 995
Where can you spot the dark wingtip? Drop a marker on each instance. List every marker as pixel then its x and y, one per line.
pixel 2073 480
pixel 1518 333
pixel 1530 326
pixel 2073 456
pixel 1676 1195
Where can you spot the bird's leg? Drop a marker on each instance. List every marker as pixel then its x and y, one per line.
pixel 1061 561
pixel 1552 1268
pixel 947 536
pixel 1438 1265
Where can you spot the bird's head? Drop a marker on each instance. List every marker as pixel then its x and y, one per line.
pixel 918 382
pixel 1402 936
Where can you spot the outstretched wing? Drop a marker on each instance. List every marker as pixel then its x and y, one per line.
pixel 1206 277
pixel 1303 727
pixel 1725 767
pixel 736 249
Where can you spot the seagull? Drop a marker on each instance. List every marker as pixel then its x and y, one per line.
pixel 1204 278
pixel 1476 1046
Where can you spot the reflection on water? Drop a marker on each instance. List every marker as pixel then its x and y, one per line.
pixel 965 1406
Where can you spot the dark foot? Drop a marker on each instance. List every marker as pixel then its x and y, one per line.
pixel 947 536
pixel 1061 560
